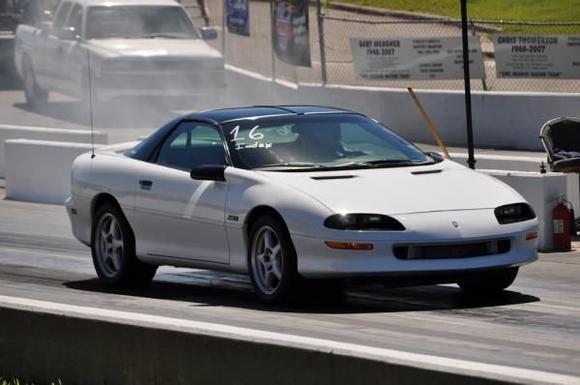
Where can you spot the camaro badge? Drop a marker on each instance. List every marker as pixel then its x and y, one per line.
pixel 455 224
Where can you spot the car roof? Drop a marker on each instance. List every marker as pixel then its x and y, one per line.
pixel 230 114
pixel 92 3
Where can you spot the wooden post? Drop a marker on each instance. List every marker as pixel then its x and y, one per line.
pixel 430 124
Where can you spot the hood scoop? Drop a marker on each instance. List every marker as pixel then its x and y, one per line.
pixel 330 177
pixel 426 172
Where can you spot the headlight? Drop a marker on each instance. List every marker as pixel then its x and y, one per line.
pixel 365 222
pixel 513 213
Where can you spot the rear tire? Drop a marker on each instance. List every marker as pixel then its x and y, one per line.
pixel 489 282
pixel 35 96
pixel 113 250
pixel 272 260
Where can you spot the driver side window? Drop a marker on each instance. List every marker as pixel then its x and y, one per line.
pixel 192 145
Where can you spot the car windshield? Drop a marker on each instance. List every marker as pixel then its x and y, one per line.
pixel 323 141
pixel 139 22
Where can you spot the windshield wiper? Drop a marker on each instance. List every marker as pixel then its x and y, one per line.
pixel 290 164
pixel 383 163
pixel 162 35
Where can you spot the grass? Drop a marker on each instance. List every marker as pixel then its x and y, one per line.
pixel 520 10
pixel 16 381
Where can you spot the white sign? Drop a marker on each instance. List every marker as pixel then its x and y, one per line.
pixel 430 58
pixel 539 57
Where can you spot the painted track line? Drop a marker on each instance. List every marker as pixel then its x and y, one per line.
pixel 491 371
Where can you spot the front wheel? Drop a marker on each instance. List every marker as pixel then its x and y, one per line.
pixel 489 282
pixel 272 260
pixel 35 96
pixel 113 250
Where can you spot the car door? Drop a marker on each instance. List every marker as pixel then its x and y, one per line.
pixel 51 65
pixel 73 54
pixel 176 216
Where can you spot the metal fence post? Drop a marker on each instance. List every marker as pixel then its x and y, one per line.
pixel 474 33
pixel 320 17
pixel 224 27
pixel 272 31
pixel 467 81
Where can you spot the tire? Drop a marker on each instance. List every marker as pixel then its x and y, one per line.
pixel 35 96
pixel 113 250
pixel 489 282
pixel 272 260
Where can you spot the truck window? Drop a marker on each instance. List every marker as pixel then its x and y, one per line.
pixel 75 19
pixel 61 15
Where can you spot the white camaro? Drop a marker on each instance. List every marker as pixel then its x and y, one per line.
pixel 293 194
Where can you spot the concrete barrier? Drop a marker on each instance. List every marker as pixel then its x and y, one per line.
pixel 42 341
pixel 39 171
pixel 501 119
pixel 8 132
pixel 523 163
pixel 541 191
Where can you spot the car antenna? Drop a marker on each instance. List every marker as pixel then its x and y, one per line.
pixel 91 105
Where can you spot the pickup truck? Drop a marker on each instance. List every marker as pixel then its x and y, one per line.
pixel 117 48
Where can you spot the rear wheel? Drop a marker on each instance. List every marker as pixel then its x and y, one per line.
pixel 489 282
pixel 35 96
pixel 113 250
pixel 272 260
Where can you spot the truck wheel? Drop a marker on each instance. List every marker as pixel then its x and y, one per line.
pixel 35 96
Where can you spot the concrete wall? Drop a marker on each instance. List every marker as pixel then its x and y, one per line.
pixel 41 133
pixel 42 342
pixel 501 119
pixel 527 164
pixel 39 171
pixel 541 191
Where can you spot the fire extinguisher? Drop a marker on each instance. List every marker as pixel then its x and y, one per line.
pixel 562 223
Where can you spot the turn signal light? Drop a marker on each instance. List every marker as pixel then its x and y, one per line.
pixel 349 245
pixel 531 235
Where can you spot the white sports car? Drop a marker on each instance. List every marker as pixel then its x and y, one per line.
pixel 291 194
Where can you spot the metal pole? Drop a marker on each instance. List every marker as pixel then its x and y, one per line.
pixel 474 33
pixel 224 27
pixel 272 31
pixel 320 17
pixel 467 81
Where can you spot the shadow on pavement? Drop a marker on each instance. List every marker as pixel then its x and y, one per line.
pixel 368 299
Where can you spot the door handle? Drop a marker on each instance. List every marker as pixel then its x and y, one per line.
pixel 146 184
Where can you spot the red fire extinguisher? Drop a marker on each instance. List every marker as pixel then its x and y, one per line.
pixel 562 225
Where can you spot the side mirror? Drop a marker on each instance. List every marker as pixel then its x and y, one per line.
pixel 208 33
pixel 68 33
pixel 209 172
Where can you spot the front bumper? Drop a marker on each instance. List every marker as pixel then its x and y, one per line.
pixel 317 260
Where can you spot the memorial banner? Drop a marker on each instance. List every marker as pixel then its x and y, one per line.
pixel 537 57
pixel 437 58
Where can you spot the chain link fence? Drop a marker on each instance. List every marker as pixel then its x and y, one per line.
pixel 255 52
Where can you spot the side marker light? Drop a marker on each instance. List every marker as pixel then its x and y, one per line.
pixel 531 235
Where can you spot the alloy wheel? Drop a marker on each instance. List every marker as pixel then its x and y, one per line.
pixel 267 260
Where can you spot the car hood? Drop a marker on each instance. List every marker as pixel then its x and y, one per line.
pixel 192 48
pixel 403 190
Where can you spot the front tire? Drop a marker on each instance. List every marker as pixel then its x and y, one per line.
pixel 489 282
pixel 113 250
pixel 272 260
pixel 35 96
